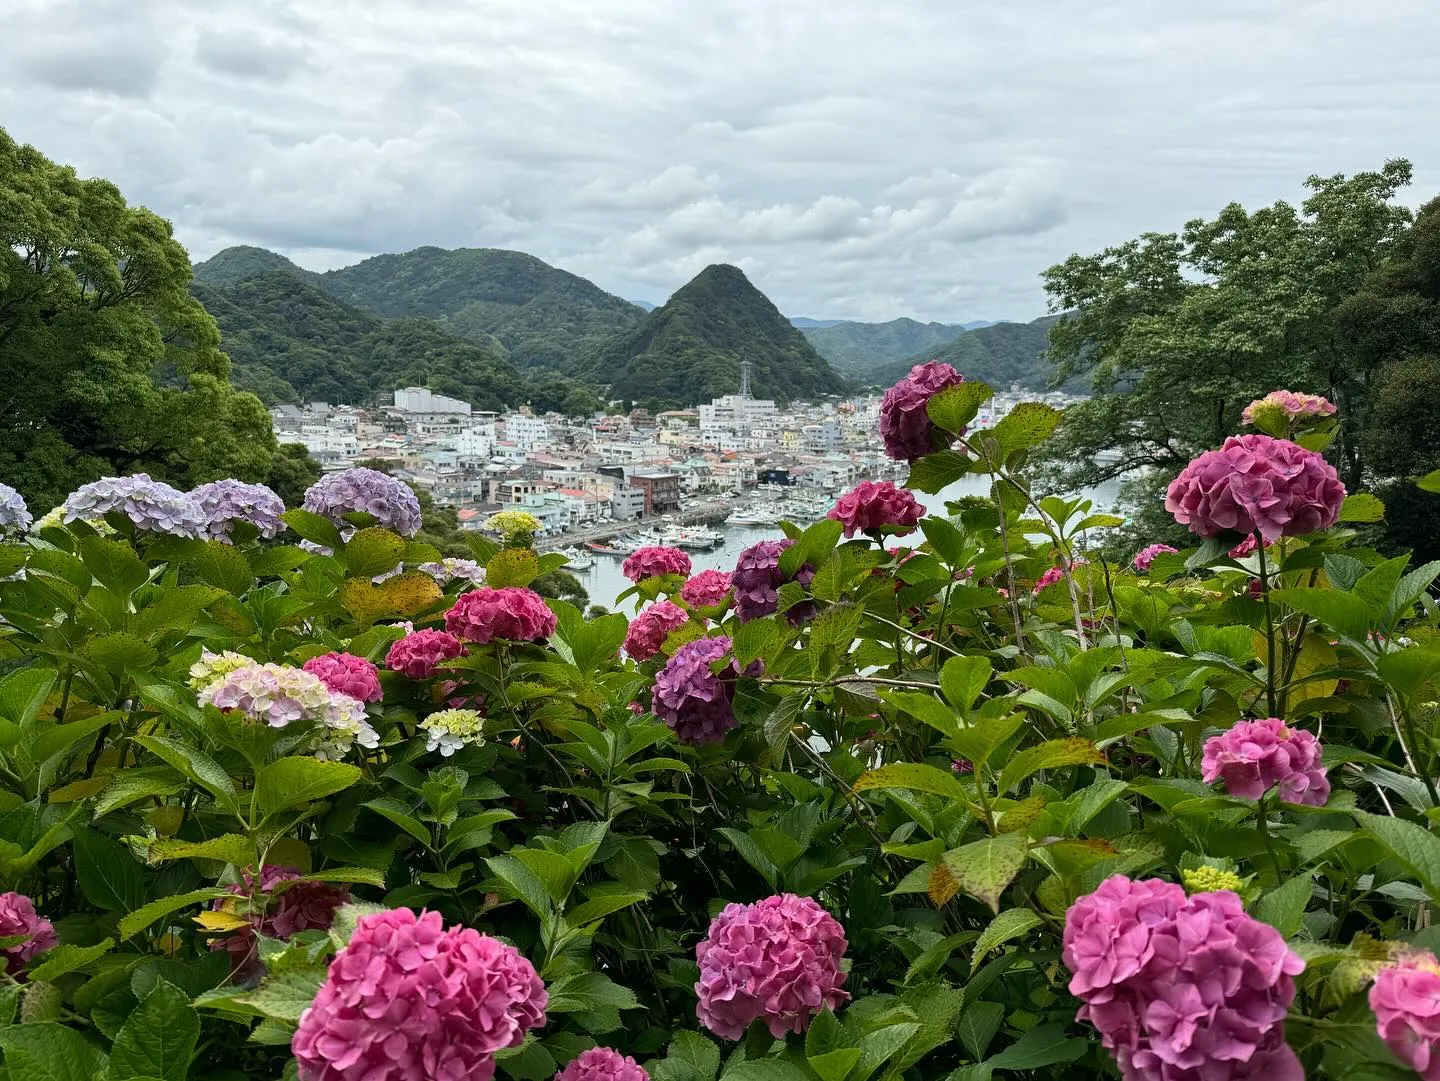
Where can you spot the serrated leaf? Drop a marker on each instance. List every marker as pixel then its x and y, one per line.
pixel 130 785
pixel 401 597
pixel 512 567
pixel 1361 507
pixel 158 1038
pixel 285 995
pixel 66 958
pixel 1008 925
pixel 936 472
pixel 132 924
pixel 1071 751
pixel 978 1025
pixel 942 885
pixel 227 848
pixel 1043 1045
pixel 915 776
pixel 117 652
pixel 313 527
pixel 1284 907
pixel 195 764
pixel 49 1051
pixel 373 551
pixel 1027 425
pixel 963 678
pixel 1343 612
pixel 296 781
pixel 114 565
pixel 984 868
pixel 1413 845
pixel 107 874
pixel 221 566
pixel 955 407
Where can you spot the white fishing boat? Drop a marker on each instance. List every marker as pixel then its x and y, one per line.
pixel 579 561
pixel 754 516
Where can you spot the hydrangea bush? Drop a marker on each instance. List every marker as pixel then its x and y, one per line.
pixel 286 796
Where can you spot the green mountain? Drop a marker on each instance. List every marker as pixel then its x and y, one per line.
pixel 1000 354
pixel 540 315
pixel 856 350
pixel 290 341
pixel 689 350
pixel 242 261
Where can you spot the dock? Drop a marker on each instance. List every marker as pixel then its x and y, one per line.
pixel 712 512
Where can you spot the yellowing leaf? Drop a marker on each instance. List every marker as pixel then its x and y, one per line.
pixel 943 886
pixel 400 597
pixel 81 789
pixel 512 567
pixel 219 922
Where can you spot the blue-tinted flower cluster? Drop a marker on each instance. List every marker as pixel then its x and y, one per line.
pixel 152 505
pixel 225 502
pixel 367 491
pixel 14 515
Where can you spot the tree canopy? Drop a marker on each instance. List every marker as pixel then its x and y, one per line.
pixel 108 364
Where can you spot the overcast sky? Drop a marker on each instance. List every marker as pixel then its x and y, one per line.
pixel 856 158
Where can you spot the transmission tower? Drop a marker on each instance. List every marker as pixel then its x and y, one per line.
pixel 744 379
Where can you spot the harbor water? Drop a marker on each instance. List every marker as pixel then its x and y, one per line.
pixel 604 582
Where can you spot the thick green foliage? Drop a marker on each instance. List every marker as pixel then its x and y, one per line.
pixel 1000 354
pixel 859 351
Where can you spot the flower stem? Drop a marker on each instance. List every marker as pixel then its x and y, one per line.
pixel 1270 695
pixel 1262 822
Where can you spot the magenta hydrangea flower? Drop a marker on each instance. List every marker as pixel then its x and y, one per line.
pixel 777 960
pixel 408 998
pixel 648 630
pixel 513 613
pixel 884 506
pixel 691 698
pixel 18 917
pixel 1255 483
pixel 654 560
pixel 1291 404
pixel 1253 757
pixel 602 1064
pixel 305 906
pixel 1181 988
pixel 1406 1001
pixel 346 673
pixel 757 581
pixel 1056 574
pixel 418 654
pixel 391 502
pixel 222 503
pixel 1146 556
pixel 905 424
pixel 706 589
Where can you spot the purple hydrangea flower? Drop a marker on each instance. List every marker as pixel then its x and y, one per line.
pixel 13 512
pixel 152 505
pixel 225 502
pixel 451 569
pixel 757 581
pixel 365 491
pixel 691 698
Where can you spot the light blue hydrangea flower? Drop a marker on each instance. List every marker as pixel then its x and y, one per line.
pixel 14 515
pixel 367 491
pixel 152 505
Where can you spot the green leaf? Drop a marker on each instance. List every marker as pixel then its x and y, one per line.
pixel 158 1038
pixel 373 551
pixel 227 848
pixel 978 1026
pixel 936 472
pixel 136 784
pixel 118 652
pixel 108 875
pixel 1430 482
pixel 522 884
pixel 512 567
pixel 915 776
pixel 1361 507
pixel 23 692
pixel 1343 612
pixel 195 764
pixel 835 1065
pixel 1413 845
pixel 1027 425
pixel 50 1052
pixel 963 678
pixel 1408 670
pixel 1072 751
pixel 984 868
pixel 1008 925
pixel 65 959
pixel 1283 908
pixel 955 407
pixel 402 816
pixel 285 995
pixel 221 566
pixel 295 782
pixel 599 907
pixel 1043 1045
pixel 584 991
pixel 691 1057
pixel 313 528
pixel 144 916
pixel 114 565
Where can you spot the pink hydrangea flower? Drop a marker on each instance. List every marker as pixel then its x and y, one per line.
pixel 1055 574
pixel 757 581
pixel 418 654
pixel 1146 556
pixel 278 695
pixel 654 560
pixel 1255 483
pixel 304 907
pixel 883 506
pixel 777 960
pixel 706 590
pixel 1247 547
pixel 513 613
pixel 691 698
pixel 1256 756
pixel 1181 988
pixel 905 424
pixel 18 917
pixel 649 629
pixel 346 673
pixel 1293 405
pixel 408 998
pixel 1406 1001
pixel 602 1064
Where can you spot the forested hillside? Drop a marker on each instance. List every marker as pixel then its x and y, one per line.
pixel 858 350
pixel 1000 354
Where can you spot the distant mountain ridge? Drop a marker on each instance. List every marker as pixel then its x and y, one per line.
pixel 999 354
pixel 857 350
pixel 689 350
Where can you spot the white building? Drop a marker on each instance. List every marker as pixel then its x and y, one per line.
pixel 737 412
pixel 424 400
pixel 525 432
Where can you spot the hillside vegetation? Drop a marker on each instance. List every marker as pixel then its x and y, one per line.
pixel 1001 354
pixel 857 350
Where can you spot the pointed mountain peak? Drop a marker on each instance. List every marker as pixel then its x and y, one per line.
pixel 234 264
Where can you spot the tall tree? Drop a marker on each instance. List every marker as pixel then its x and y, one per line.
pixel 1179 331
pixel 107 364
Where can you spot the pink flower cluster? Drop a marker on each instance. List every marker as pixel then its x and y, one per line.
pixel 512 613
pixel 905 424
pixel 652 561
pixel 1406 1001
pixel 1182 988
pixel 691 698
pixel 1293 405
pixel 408 998
pixel 757 581
pixel 419 652
pixel 1247 547
pixel 1146 556
pixel 18 917
pixel 307 906
pixel 777 960
pixel 345 673
pixel 1253 757
pixel 706 590
pixel 1256 484
pixel 1055 574
pixel 602 1064
pixel 883 506
pixel 649 629
pixel 278 695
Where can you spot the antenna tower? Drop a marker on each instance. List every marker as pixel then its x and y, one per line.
pixel 744 379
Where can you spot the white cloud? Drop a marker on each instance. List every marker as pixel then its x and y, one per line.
pixel 917 158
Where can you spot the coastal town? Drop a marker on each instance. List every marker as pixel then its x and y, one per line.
pixel 739 460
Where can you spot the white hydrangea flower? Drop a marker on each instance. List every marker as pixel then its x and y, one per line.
pixel 213 667
pixel 451 729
